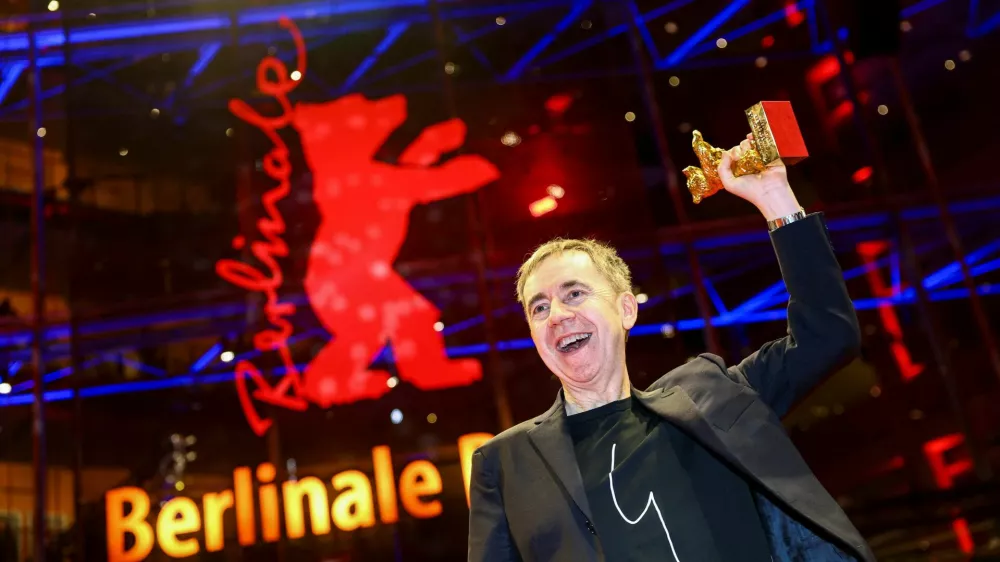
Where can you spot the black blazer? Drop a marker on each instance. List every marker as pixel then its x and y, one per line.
pixel 527 496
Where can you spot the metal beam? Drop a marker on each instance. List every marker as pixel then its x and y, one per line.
pixel 391 35
pixel 522 64
pixel 697 37
pixel 478 349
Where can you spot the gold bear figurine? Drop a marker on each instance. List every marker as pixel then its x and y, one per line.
pixel 705 181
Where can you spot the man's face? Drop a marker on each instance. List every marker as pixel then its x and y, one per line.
pixel 577 321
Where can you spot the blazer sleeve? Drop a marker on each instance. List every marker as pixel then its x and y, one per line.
pixel 489 535
pixel 823 333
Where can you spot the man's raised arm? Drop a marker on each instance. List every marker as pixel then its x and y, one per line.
pixel 823 332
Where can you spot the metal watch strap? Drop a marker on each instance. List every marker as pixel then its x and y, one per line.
pixel 782 221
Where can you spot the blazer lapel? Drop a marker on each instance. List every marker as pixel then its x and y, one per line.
pixel 551 439
pixel 674 405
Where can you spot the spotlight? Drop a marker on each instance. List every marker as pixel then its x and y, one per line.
pixel 396 416
pixel 227 356
pixel 5 388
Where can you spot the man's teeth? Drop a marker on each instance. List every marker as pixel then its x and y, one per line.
pixel 570 340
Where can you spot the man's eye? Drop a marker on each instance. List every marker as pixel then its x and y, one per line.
pixel 539 308
pixel 576 293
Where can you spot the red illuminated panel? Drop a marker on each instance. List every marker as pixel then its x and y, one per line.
pixel 364 205
pixel 890 322
pixel 944 474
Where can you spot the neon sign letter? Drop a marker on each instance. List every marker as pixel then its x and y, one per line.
pixel 272 247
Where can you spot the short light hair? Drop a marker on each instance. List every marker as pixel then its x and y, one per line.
pixel 604 257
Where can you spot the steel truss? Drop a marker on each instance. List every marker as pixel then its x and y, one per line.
pixel 103 50
pixel 105 340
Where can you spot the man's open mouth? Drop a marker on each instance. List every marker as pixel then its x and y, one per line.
pixel 572 342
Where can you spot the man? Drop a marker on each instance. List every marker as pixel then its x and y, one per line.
pixel 697 468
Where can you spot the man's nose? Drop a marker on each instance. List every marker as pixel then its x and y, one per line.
pixel 559 313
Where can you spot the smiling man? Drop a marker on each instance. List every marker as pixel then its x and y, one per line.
pixel 696 468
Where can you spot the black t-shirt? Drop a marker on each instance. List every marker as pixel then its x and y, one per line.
pixel 666 498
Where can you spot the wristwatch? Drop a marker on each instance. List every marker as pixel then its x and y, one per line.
pixel 782 221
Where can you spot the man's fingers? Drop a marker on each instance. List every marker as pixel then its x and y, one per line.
pixel 736 152
pixel 745 146
pixel 726 170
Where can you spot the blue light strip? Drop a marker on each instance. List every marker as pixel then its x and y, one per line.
pixel 211 355
pixel 722 17
pixel 519 67
pixel 613 32
pixel 914 9
pixel 973 24
pixel 640 24
pixel 478 349
pixel 813 29
pixel 188 24
pixel 60 373
pixel 11 72
pixel 988 25
pixel 897 273
pixel 749 28
pixel 206 53
pixel 476 51
pixel 58 90
pixel 952 272
pixel 394 32
pixel 713 295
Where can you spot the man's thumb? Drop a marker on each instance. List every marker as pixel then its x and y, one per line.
pixel 726 170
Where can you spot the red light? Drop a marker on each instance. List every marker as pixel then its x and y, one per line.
pixel 823 71
pixel 793 15
pixel 862 175
pixel 542 206
pixel 767 42
pixel 558 104
pixel 964 536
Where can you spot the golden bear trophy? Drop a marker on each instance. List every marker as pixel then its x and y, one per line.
pixel 777 140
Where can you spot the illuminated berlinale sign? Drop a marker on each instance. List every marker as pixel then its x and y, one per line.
pixel 364 205
pixel 353 506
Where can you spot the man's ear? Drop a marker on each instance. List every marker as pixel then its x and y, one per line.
pixel 629 309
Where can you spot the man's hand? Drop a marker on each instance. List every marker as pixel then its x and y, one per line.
pixel 768 191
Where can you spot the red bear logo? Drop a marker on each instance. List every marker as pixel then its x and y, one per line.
pixel 364 206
